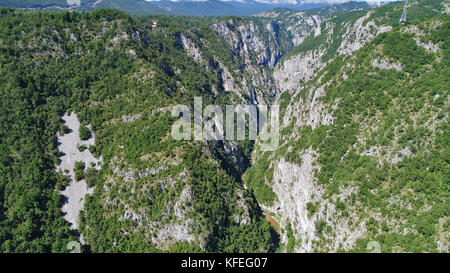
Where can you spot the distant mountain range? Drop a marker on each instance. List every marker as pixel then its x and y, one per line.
pixel 218 8
pixel 180 7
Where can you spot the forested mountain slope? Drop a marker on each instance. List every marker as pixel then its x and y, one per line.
pixel 183 7
pixel 364 152
pixel 105 67
pixel 344 33
pixel 364 146
pixel 121 75
pixel 43 4
pixel 128 6
pixel 141 7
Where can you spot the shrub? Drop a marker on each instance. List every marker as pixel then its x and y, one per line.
pixel 85 133
pixel 79 170
pixel 91 177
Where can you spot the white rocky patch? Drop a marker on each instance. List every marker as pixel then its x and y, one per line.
pixel 429 46
pixel 447 8
pixel 299 68
pixel 301 26
pixel 76 190
pixel 385 65
pixel 295 186
pixel 310 111
pixel 357 35
pixel 302 67
pixel 132 52
pixel 174 231
pixel 181 229
pixel 400 155
pixel 241 218
pixel 247 41
pixel 417 34
pixel 130 118
pixel 227 79
pixel 190 48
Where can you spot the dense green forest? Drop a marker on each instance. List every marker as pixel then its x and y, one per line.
pixel 52 63
pixel 387 147
pixel 377 114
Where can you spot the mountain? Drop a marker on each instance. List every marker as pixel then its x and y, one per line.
pixel 142 7
pixel 202 8
pixel 131 7
pixel 33 4
pixel 120 75
pixel 87 152
pixel 363 156
pixel 220 8
pixel 42 4
pixel 340 8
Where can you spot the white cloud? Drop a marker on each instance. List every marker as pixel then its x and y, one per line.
pixel 240 1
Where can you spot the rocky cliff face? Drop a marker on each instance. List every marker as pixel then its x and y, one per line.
pixel 337 178
pixel 347 36
pixel 265 38
pixel 329 122
pixel 364 114
pixel 259 43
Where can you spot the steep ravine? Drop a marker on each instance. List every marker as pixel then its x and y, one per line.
pixel 322 214
pixel 363 151
pixel 259 44
pixel 256 60
pixel 295 185
pixel 319 220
